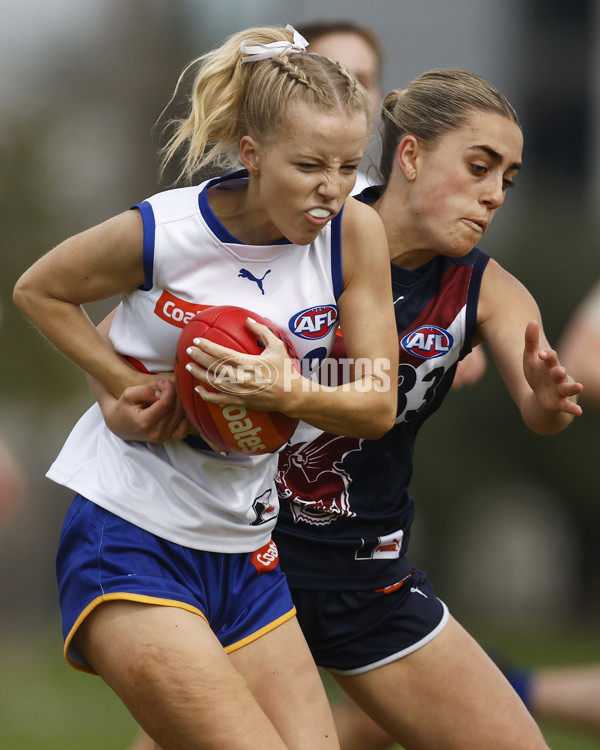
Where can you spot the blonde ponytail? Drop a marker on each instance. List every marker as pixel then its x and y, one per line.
pixel 231 98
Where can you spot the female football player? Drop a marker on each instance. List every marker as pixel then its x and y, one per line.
pixel 160 591
pixel 451 150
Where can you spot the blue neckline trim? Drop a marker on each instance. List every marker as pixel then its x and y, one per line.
pixel 221 232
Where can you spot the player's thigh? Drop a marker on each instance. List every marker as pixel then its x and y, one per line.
pixel 356 730
pixel 174 676
pixel 447 695
pixel 282 675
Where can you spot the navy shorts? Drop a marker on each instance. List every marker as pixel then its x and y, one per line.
pixel 350 632
pixel 103 558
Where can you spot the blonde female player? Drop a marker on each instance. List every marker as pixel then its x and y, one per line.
pixel 160 587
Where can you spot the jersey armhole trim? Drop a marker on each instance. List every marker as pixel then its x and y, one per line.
pixel 148 224
pixel 337 275
pixel 479 267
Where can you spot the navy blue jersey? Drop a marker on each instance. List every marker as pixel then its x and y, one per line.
pixel 346 510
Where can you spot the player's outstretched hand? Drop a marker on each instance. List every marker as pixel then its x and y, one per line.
pixel 547 378
pixel 151 413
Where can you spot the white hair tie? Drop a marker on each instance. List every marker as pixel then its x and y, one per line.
pixel 257 51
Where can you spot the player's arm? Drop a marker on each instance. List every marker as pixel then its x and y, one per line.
pixel 96 264
pixel 367 317
pixel 364 407
pixel 151 412
pixel 509 321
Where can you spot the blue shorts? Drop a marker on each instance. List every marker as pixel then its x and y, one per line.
pixel 103 558
pixel 350 632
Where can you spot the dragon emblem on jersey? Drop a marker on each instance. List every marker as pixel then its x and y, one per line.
pixel 310 477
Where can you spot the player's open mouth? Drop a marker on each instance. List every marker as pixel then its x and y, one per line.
pixel 320 213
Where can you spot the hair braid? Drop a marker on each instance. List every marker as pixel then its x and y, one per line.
pixel 231 98
pixel 286 65
pixel 351 80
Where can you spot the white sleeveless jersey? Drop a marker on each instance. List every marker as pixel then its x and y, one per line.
pixel 199 498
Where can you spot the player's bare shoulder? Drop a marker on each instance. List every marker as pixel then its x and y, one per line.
pixel 501 292
pixel 359 212
pixel 362 229
pixel 498 281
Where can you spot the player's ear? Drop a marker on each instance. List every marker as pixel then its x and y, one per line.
pixel 407 153
pixel 249 155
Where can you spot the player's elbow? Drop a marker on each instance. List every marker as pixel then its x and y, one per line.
pixel 22 295
pixel 549 424
pixel 387 423
pixel 381 419
pixel 29 295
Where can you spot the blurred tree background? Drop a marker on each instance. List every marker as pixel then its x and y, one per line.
pixel 507 522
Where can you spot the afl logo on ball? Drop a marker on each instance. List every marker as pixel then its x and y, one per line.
pixel 315 322
pixel 427 342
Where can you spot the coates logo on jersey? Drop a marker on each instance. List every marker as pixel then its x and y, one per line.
pixel 314 322
pixel 175 311
pixel 427 342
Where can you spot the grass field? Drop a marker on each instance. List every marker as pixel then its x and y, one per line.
pixel 45 704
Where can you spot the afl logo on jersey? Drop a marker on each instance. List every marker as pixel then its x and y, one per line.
pixel 315 322
pixel 427 342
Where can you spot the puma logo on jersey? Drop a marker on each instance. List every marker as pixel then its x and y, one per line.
pixel 427 342
pixel 381 547
pixel 245 274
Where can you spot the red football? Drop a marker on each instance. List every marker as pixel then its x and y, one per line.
pixel 234 429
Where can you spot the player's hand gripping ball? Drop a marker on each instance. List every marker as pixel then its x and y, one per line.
pixel 232 429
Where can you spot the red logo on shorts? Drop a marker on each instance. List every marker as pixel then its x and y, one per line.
pixel 266 558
